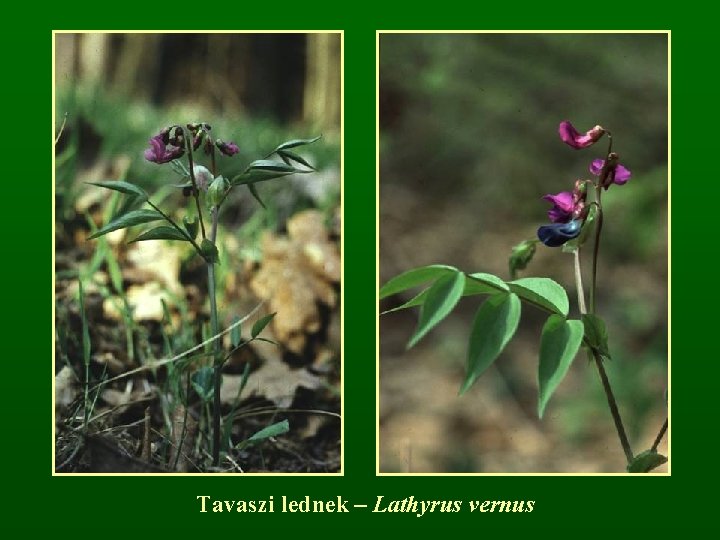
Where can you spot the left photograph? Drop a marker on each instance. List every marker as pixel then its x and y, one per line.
pixel 197 253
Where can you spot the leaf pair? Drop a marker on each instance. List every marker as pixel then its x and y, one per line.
pixel 497 319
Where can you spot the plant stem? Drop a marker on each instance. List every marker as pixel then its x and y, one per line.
pixel 613 407
pixel 579 283
pixel 218 361
pixel 196 191
pixel 617 419
pixel 660 435
pixel 596 247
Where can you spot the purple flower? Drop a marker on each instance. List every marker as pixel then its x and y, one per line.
pixel 567 205
pixel 563 207
pixel 227 148
pixel 557 234
pixel 617 174
pixel 577 140
pixel 159 152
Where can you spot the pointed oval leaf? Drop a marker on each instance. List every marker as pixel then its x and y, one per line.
pixel 235 334
pixel 191 226
pixel 494 325
pixel 209 251
pixel 256 195
pixel 646 461
pixel 122 187
pixel 265 169
pixel 163 232
pixel 418 300
pixel 543 293
pixel 440 301
pixel 271 431
pixel 135 217
pixel 260 325
pixel 202 382
pixel 287 155
pixel 413 278
pixel 596 334
pixel 481 283
pixel 559 344
pixel 295 143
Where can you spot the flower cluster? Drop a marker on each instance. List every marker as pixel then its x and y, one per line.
pixel 165 147
pixel 169 144
pixel 569 207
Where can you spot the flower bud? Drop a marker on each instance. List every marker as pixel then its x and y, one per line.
pixel 203 176
pixel 227 148
pixel 556 234
pixel 216 191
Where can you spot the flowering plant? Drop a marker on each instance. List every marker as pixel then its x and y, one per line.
pixel 205 190
pixel 574 221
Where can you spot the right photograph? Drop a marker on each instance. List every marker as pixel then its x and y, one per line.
pixel 523 253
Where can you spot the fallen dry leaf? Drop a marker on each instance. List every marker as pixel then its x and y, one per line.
pixel 296 272
pixel 274 381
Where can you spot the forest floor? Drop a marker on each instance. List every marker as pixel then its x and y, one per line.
pixel 147 301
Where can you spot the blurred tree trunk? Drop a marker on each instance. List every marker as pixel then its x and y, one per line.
pixel 92 57
pixel 321 104
pixel 288 76
pixel 136 65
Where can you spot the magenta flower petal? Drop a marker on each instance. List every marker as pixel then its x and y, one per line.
pixel 577 140
pixel 596 166
pixel 158 152
pixel 622 175
pixel 563 206
pixel 619 176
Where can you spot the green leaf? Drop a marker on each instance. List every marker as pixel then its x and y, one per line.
pixel 441 299
pixel 163 232
pixel 202 382
pixel 265 169
pixel 135 217
pixel 271 431
pixel 122 187
pixel 417 300
pixel 209 251
pixel 294 143
pixel 256 195
pixel 413 278
pixel 646 461
pixel 542 292
pixel 494 325
pixel 260 325
pixel 474 284
pixel 85 326
pixel 235 335
pixel 287 155
pixel 559 344
pixel 521 256
pixel 481 283
pixel 191 226
pixel 587 227
pixel 596 334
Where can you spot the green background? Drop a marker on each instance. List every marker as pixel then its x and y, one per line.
pixel 99 506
